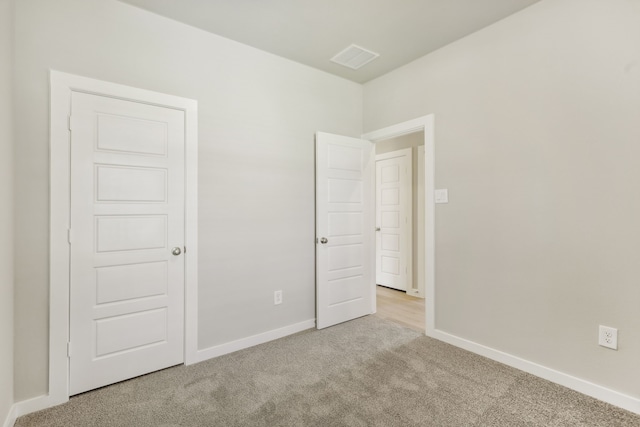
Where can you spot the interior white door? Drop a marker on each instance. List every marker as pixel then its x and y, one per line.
pixel 393 214
pixel 345 248
pixel 127 235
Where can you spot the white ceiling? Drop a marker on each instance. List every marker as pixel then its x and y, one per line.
pixel 313 31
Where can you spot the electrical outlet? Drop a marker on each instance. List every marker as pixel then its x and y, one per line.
pixel 277 297
pixel 608 337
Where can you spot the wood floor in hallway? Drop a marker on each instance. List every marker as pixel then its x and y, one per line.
pixel 401 308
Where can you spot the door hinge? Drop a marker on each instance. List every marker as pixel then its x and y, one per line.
pixel 69 235
pixel 68 349
pixel 69 122
pixel 185 250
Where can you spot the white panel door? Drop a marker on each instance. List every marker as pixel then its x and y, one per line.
pixel 344 228
pixel 393 225
pixel 127 216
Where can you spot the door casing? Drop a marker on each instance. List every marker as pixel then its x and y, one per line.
pixel 62 85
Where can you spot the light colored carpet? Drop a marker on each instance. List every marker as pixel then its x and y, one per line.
pixel 367 372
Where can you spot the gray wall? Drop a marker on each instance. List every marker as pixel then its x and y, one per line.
pixel 6 209
pixel 257 118
pixel 413 141
pixel 537 140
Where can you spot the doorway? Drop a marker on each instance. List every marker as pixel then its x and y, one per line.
pixel 352 190
pixel 400 219
pixel 424 233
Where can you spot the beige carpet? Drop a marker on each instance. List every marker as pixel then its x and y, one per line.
pixel 367 372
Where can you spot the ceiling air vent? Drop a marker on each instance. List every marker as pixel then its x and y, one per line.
pixel 354 57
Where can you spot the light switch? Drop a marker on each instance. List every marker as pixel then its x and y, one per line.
pixel 442 196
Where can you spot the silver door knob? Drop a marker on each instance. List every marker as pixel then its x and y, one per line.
pixel 176 251
pixel 324 240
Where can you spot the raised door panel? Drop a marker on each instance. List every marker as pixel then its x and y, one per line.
pixel 130 233
pixel 133 135
pixel 130 184
pixel 129 282
pixel 129 332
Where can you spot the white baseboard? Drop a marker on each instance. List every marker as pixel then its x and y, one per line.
pixel 219 350
pixel 11 417
pixel 28 406
pixel 585 387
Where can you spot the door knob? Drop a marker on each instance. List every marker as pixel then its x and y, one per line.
pixel 176 251
pixel 377 228
pixel 324 240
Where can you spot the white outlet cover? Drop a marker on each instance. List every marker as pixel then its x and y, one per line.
pixel 442 195
pixel 277 297
pixel 608 337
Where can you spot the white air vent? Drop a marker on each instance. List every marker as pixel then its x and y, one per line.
pixel 354 57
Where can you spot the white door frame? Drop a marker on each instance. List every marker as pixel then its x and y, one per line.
pixel 419 292
pixel 62 85
pixel 426 125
